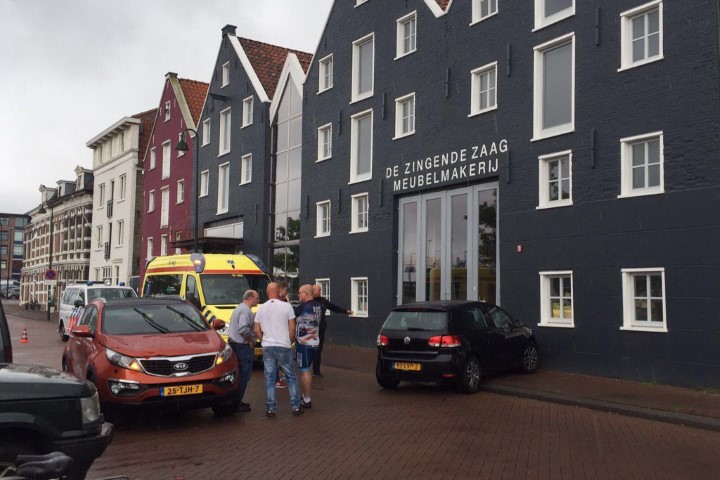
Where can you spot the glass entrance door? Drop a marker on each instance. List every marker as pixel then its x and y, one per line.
pixel 448 246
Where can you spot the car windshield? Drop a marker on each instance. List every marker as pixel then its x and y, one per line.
pixel 110 293
pixel 142 319
pixel 229 289
pixel 416 320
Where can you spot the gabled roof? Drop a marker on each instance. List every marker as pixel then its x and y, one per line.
pixel 195 93
pixel 268 61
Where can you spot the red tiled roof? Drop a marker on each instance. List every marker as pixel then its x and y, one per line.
pixel 195 93
pixel 443 3
pixel 268 60
pixel 147 120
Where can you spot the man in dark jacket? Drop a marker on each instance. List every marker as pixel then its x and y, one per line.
pixel 327 305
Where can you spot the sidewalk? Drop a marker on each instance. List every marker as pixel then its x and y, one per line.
pixel 664 403
pixel 655 402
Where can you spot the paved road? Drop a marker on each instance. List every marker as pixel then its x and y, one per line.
pixel 357 430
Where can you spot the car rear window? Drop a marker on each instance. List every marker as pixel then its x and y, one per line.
pixel 110 293
pixel 152 319
pixel 416 320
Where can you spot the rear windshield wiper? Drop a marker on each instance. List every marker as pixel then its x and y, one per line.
pixel 151 322
pixel 187 319
pixel 417 329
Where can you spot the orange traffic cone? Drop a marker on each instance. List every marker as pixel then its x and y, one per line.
pixel 24 338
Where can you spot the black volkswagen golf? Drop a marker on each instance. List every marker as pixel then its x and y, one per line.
pixel 456 341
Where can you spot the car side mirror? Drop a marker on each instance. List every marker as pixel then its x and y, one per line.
pixel 79 303
pixel 218 324
pixel 82 331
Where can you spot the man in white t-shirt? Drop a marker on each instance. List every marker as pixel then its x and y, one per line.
pixel 275 328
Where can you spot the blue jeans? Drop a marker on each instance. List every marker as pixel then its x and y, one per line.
pixel 244 353
pixel 274 357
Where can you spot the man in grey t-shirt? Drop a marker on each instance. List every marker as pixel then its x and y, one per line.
pixel 241 337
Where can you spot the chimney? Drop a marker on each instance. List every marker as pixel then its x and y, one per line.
pixel 170 75
pixel 228 30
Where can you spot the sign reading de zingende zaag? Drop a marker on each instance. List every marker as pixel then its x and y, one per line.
pixel 476 161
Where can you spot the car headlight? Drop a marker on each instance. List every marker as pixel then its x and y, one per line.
pixel 120 360
pixel 224 355
pixel 90 407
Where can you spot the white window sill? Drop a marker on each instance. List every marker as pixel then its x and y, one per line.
pixel 546 22
pixel 556 325
pixel 362 230
pixel 646 329
pixel 630 66
pixel 322 159
pixel 322 235
pixel 554 132
pixel 641 193
pixel 223 153
pixel 245 183
pixel 180 154
pixel 324 90
pixel 403 55
pixel 555 204
pixel 398 137
pixel 361 98
pixel 480 112
pixel 359 180
pixel 150 211
pixel 180 202
pixel 359 315
pixel 475 22
pixel 203 195
pixel 205 144
pixel 247 125
pixel 221 212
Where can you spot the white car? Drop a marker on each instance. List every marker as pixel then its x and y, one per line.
pixel 81 294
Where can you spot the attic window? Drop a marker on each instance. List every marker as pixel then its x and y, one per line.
pixel 167 111
pixel 225 74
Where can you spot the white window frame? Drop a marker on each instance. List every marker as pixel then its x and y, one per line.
pixel 626 35
pixel 400 44
pixel 360 2
pixel 475 76
pixel 180 194
pixel 354 296
pixel 225 75
pixel 324 148
pixel 150 242
pixel 542 21
pixel 225 136
pixel 325 73
pixel 325 290
pixel 120 233
pixel 323 213
pixel 167 110
pixel 246 169
pixel 355 212
pixel 538 132
pixel 123 187
pixel 356 178
pixel 99 236
pixel 544 180
pixel 628 286
pixel 357 44
pixel 153 158
pixel 163 244
pixel 165 206
pixel 205 132
pixel 247 111
pixel 626 177
pixel 151 201
pixel 399 119
pixel 477 16
pixel 223 188
pixel 546 319
pixel 101 196
pixel 166 156
pixel 204 183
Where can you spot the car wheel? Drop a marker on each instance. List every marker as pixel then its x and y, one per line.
pixel 225 410
pixel 61 332
pixel 470 376
pixel 530 358
pixel 384 381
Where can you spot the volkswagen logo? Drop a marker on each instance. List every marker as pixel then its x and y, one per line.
pixel 406 340
pixel 180 366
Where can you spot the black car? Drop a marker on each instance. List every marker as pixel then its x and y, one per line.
pixel 452 341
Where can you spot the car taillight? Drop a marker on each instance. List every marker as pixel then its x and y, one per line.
pixel 447 341
pixel 383 341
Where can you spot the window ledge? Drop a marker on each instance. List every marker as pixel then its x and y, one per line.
pixel 553 133
pixel 324 90
pixel 557 204
pixel 221 212
pixel 642 193
pixel 359 315
pixel 646 329
pixel 398 137
pixel 475 22
pixel 245 183
pixel 322 235
pixel 480 112
pixel 556 325
pixel 365 230
pixel 245 126
pixel 630 66
pixel 361 98
pixel 223 153
pixel 352 182
pixel 322 159
pixel 398 57
pixel 205 144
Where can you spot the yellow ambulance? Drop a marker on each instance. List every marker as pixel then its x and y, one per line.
pixel 213 282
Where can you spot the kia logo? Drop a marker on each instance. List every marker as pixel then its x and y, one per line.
pixel 180 366
pixel 406 340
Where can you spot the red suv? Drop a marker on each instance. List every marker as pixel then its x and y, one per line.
pixel 153 351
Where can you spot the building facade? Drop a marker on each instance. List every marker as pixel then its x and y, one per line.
pixel 168 173
pixel 58 237
pixel 117 219
pixel 558 158
pixel 238 151
pixel 11 249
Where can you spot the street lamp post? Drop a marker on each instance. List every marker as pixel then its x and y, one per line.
pixel 182 146
pixel 49 287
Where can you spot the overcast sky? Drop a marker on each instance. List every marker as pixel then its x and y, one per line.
pixel 71 68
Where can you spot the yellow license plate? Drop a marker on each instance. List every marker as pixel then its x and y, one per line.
pixel 258 352
pixel 181 390
pixel 406 366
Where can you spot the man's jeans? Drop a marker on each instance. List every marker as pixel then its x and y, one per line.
pixel 274 357
pixel 245 356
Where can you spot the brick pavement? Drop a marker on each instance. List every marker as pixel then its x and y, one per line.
pixel 357 430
